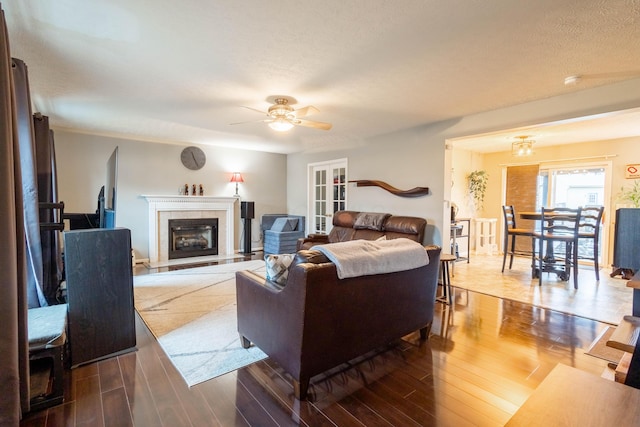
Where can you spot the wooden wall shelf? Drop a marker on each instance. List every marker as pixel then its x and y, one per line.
pixel 414 192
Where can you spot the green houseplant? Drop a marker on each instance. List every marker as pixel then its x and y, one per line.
pixel 631 194
pixel 478 186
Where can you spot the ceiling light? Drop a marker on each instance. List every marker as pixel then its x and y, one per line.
pixel 524 147
pixel 572 80
pixel 280 124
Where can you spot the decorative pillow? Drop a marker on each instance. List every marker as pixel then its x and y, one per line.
pixel 278 267
pixel 371 221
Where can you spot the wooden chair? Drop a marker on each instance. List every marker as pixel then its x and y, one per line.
pixel 590 220
pixel 558 225
pixel 510 230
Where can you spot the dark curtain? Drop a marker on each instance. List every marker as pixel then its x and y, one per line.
pixel 14 366
pixel 47 193
pixel 28 164
pixel 57 215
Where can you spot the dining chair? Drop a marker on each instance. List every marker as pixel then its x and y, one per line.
pixel 511 231
pixel 558 225
pixel 589 231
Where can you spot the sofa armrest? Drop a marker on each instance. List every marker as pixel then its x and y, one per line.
pixel 259 280
pixel 268 312
pixel 311 240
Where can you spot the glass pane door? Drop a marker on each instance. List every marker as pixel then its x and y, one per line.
pixel 320 203
pixel 573 187
pixel 328 194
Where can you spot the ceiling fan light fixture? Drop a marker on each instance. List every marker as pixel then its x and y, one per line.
pixel 572 80
pixel 522 148
pixel 280 124
pixel 282 117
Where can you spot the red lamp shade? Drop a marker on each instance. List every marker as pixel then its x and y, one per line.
pixel 236 177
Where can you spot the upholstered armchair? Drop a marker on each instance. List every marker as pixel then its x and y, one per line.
pixel 281 232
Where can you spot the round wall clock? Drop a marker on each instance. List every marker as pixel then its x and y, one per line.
pixel 193 158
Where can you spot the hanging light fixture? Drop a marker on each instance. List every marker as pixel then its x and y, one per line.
pixel 523 147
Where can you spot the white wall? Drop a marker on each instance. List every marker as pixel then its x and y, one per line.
pixel 463 163
pixel 152 168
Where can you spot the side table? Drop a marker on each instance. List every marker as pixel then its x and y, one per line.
pixel 447 291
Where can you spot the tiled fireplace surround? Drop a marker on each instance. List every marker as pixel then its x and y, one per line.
pixel 164 208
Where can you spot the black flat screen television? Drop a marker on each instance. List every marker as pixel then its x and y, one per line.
pixel 108 211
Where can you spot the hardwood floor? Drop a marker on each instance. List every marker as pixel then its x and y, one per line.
pixel 484 357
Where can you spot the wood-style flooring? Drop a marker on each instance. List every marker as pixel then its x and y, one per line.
pixel 484 357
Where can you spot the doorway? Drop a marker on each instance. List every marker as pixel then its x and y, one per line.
pixel 327 194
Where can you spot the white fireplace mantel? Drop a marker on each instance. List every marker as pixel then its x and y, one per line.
pixel 224 206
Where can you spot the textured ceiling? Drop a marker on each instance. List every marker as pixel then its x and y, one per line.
pixel 181 71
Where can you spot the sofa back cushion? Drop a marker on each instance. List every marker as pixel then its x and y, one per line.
pixel 343 222
pixel 341 234
pixel 365 234
pixel 370 221
pixel 409 227
pixel 352 225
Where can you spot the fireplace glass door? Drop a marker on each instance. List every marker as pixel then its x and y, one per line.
pixel 193 237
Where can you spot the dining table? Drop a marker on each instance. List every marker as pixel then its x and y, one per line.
pixel 549 260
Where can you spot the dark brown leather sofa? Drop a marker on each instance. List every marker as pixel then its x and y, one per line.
pixel 352 225
pixel 317 321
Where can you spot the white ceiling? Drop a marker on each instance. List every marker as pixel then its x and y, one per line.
pixel 180 72
pixel 601 127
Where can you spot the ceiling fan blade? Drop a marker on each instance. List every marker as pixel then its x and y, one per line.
pixel 306 111
pixel 255 109
pixel 252 121
pixel 312 124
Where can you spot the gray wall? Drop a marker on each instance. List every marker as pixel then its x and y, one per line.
pixel 147 168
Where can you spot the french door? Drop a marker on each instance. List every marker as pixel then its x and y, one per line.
pixel 327 193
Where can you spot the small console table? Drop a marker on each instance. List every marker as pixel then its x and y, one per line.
pixel 460 230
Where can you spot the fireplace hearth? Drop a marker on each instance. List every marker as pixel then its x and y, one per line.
pixel 193 237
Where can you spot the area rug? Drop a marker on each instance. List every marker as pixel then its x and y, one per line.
pixel 600 349
pixel 192 314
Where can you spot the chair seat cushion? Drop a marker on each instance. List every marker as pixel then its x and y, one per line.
pixel 587 235
pixel 552 236
pixel 521 231
pixel 47 326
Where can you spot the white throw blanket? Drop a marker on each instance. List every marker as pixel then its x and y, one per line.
pixel 367 257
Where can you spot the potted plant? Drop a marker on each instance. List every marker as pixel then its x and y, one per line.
pixel 478 186
pixel 631 194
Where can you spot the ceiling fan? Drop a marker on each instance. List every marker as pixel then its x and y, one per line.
pixel 282 116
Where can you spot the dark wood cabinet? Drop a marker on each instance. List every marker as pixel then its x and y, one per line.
pixel 99 293
pixel 626 245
